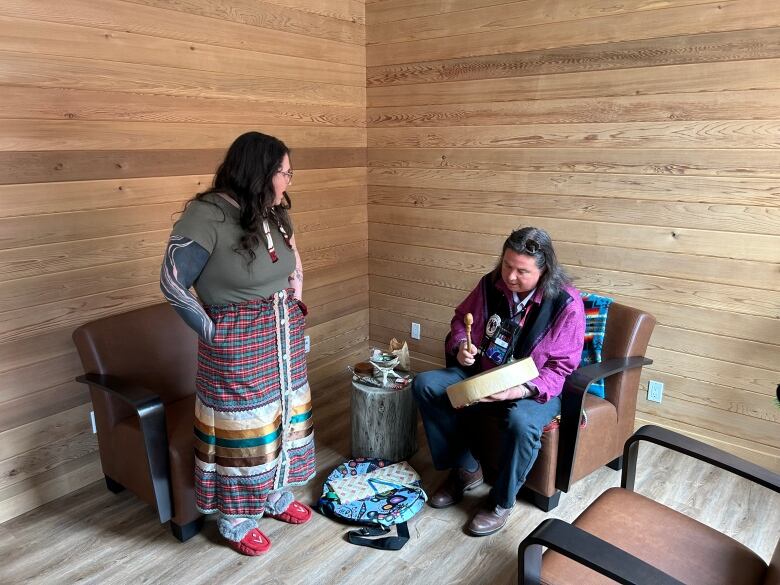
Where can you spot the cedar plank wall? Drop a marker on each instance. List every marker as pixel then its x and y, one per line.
pixel 643 135
pixel 112 114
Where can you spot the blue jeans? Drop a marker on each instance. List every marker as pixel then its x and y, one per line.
pixel 448 430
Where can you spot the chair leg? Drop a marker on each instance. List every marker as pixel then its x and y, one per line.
pixel 616 464
pixel 544 503
pixel 113 486
pixel 186 531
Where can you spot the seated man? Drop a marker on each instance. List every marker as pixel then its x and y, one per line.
pixel 529 299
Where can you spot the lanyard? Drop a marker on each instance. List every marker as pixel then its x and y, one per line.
pixel 521 306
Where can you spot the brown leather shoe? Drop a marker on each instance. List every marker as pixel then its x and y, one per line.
pixel 488 521
pixel 458 482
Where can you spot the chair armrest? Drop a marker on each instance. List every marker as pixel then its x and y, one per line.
pixel 151 416
pixel 579 380
pixel 572 397
pixel 695 449
pixel 588 550
pixel 136 396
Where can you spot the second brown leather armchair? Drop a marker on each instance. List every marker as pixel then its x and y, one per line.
pixel 140 367
pixel 626 537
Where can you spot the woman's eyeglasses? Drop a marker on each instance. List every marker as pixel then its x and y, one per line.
pixel 287 175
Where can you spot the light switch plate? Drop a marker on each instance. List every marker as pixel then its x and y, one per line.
pixel 415 331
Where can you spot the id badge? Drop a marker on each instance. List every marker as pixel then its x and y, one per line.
pixel 501 345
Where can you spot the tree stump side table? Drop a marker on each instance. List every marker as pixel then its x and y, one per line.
pixel 384 422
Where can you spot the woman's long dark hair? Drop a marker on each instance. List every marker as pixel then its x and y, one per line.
pixel 536 242
pixel 247 175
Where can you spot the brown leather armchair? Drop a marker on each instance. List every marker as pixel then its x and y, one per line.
pixel 140 367
pixel 571 452
pixel 628 538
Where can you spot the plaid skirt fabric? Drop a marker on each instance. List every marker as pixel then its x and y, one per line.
pixel 253 419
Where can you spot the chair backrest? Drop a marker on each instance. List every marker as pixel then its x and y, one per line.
pixel 628 334
pixel 151 346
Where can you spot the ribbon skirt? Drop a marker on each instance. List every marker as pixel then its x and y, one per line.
pixel 253 421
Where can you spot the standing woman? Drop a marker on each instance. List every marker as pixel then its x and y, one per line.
pixel 253 429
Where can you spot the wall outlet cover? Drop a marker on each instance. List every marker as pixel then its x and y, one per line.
pixel 655 391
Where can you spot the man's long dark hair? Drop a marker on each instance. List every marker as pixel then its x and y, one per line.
pixel 536 242
pixel 247 175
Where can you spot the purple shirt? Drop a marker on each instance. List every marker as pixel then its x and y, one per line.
pixel 556 355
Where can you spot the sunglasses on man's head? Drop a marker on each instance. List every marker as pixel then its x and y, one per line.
pixel 531 246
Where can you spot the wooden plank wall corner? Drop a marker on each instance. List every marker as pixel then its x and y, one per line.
pixel 112 114
pixel 644 135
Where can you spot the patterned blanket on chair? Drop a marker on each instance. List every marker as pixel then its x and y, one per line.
pixel 596 309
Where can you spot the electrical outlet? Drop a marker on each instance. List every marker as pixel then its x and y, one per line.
pixel 655 391
pixel 306 343
pixel 92 420
pixel 415 330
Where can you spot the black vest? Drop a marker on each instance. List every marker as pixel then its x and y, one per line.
pixel 538 322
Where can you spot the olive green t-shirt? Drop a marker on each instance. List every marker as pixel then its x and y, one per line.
pixel 229 276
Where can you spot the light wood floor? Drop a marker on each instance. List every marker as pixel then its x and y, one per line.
pixel 94 536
